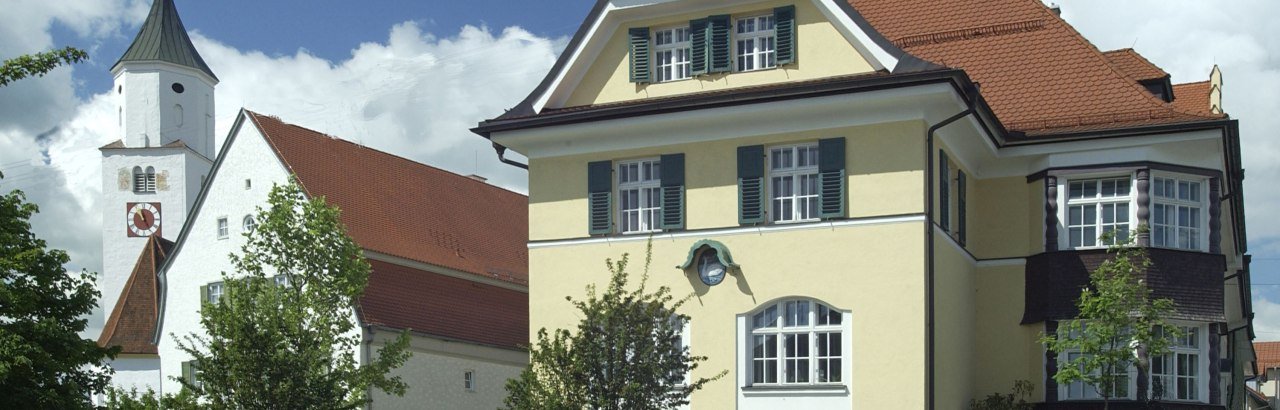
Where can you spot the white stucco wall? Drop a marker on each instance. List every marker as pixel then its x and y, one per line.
pixel 202 257
pixel 136 371
pixel 178 174
pixel 146 104
pixel 435 371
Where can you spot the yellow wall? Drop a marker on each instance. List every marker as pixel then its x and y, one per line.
pixel 821 52
pixel 873 271
pixel 954 321
pixel 1006 217
pixel 1005 351
pixel 884 178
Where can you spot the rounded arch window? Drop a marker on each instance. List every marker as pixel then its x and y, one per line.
pixel 119 89
pixel 144 180
pixel 178 88
pixel 797 342
pixel 249 224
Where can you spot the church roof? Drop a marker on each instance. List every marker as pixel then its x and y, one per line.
pixel 398 207
pixel 132 323
pixel 163 38
pixel 1039 75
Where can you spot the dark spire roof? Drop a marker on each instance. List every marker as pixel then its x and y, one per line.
pixel 163 38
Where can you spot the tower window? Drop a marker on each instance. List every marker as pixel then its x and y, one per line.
pixel 177 114
pixel 248 183
pixel 144 181
pixel 119 89
pixel 178 88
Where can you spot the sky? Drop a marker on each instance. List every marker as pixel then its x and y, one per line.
pixel 411 77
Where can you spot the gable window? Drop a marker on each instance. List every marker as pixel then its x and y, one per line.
pixel 639 197
pixel 222 228
pixel 671 48
pixel 1176 213
pixel 144 180
pixel 793 183
pixel 249 224
pixel 755 43
pixel 796 342
pixel 1095 207
pixel 469 380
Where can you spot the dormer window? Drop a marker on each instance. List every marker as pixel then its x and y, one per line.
pixel 144 180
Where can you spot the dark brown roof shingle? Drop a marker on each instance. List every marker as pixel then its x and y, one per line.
pixel 132 322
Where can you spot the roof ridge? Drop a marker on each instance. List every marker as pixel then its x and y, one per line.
pixel 1195 83
pixel 398 157
pixel 989 30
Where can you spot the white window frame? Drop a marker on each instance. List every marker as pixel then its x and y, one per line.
pixel 248 223
pixel 648 192
pixel 1196 344
pixel 280 280
pixel 1201 192
pixel 797 174
pixel 763 43
pixel 672 50
pixel 1099 202
pixel 469 380
pixel 223 227
pixel 1201 377
pixel 213 292
pixel 779 328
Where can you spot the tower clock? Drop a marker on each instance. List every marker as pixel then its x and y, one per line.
pixel 142 219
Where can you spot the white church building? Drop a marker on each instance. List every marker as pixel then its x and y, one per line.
pixel 448 255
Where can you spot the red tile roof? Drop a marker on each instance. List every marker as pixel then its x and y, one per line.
pixel 444 306
pixel 1134 65
pixel 1268 354
pixel 398 207
pixel 1038 74
pixel 133 320
pixel 1193 97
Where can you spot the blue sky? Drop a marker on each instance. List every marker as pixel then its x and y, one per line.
pixel 410 77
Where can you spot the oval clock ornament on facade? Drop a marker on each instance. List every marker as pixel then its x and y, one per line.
pixel 142 218
pixel 711 261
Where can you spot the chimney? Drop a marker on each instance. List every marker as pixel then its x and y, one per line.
pixel 1056 9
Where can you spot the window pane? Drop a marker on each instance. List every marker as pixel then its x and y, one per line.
pixel 1075 216
pixel 1076 190
pixel 1108 188
pixel 1090 236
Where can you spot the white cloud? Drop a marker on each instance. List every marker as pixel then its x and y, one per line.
pixel 1266 322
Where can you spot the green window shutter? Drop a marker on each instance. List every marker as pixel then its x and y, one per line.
pixel 944 191
pixel 189 373
pixel 672 191
pixel 718 59
pixel 751 184
pixel 785 28
pixel 204 295
pixel 640 55
pixel 961 224
pixel 832 192
pixel 600 197
pixel 698 47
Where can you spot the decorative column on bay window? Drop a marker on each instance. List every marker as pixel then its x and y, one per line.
pixel 1215 350
pixel 1215 215
pixel 1144 207
pixel 1050 213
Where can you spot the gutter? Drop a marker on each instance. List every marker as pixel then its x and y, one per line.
pixel 502 151
pixel 929 252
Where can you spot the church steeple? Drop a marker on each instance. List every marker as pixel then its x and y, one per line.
pixel 163 38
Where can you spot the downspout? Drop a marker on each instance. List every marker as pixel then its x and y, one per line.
pixel 928 246
pixel 503 151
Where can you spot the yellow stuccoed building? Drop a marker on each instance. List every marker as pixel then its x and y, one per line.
pixel 882 204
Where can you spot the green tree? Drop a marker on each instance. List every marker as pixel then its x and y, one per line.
pixel 291 345
pixel 118 399
pixel 626 353
pixel 1119 325
pixel 38 64
pixel 44 363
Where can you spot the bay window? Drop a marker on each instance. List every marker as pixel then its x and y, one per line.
pixel 793 183
pixel 1096 207
pixel 1176 213
pixel 1176 375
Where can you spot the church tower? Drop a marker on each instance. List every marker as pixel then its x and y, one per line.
pixel 164 96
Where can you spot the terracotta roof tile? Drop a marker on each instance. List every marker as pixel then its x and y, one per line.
pixel 132 323
pixel 1038 74
pixel 1268 354
pixel 444 306
pixel 1134 65
pixel 1193 98
pixel 398 207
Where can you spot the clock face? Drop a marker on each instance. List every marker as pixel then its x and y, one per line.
pixel 710 269
pixel 142 218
